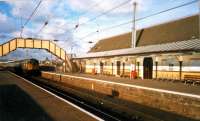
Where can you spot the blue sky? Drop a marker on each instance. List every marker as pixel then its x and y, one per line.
pixel 63 15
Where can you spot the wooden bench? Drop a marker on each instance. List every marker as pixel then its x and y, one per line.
pixel 106 73
pixel 126 74
pixel 192 79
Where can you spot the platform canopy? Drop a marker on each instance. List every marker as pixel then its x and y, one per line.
pixel 189 45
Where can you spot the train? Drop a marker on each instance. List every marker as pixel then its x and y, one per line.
pixel 23 67
pixel 26 67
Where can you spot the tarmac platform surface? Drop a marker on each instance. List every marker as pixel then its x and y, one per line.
pixel 21 100
pixel 149 83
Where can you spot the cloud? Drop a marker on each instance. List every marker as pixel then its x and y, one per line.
pixel 114 17
pixel 21 8
pixel 94 6
pixel 60 21
pixel 63 15
pixel 3 17
pixel 48 9
pixel 7 25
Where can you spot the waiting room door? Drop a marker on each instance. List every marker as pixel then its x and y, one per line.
pixel 148 68
pixel 118 67
pixel 101 67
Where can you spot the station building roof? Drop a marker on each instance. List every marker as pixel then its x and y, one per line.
pixel 177 35
pixel 178 30
pixel 179 46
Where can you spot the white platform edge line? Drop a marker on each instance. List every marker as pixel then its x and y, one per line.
pixel 79 108
pixel 134 86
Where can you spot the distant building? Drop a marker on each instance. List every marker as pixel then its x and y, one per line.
pixel 170 50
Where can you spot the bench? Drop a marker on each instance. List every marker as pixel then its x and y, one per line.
pixel 192 79
pixel 125 74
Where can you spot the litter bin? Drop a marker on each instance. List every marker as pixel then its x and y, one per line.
pixel 133 74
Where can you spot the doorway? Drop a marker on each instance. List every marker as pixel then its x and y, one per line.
pixel 118 67
pixel 148 68
pixel 101 67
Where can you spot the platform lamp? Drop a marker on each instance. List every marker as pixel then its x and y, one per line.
pixel 156 63
pixel 180 66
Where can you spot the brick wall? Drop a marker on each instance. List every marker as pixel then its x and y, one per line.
pixel 176 103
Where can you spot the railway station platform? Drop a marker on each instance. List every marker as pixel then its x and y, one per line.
pixel 176 98
pixel 146 83
pixel 21 100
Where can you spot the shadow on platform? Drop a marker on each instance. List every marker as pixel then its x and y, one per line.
pixel 17 105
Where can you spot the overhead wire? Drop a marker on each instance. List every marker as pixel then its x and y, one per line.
pixel 106 12
pixel 94 18
pixel 46 22
pixel 31 15
pixel 89 9
pixel 43 26
pixel 84 13
pixel 139 19
pixel 34 11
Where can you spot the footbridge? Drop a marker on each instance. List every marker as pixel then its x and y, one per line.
pixel 30 43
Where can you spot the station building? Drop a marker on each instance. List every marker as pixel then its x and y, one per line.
pixel 166 51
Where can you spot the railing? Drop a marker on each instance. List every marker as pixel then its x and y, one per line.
pixel 48 45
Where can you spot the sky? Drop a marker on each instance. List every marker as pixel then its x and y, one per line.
pixel 77 22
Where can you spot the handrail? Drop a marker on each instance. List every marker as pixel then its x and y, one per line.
pixel 31 43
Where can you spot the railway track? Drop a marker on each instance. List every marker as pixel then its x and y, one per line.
pixel 107 116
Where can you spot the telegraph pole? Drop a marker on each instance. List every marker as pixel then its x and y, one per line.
pixel 133 43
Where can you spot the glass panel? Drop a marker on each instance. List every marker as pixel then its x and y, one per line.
pixel 5 48
pixel 29 43
pixel 13 45
pixel 20 42
pixel 37 44
pixel 45 44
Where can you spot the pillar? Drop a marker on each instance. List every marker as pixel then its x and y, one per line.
pixel 180 69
